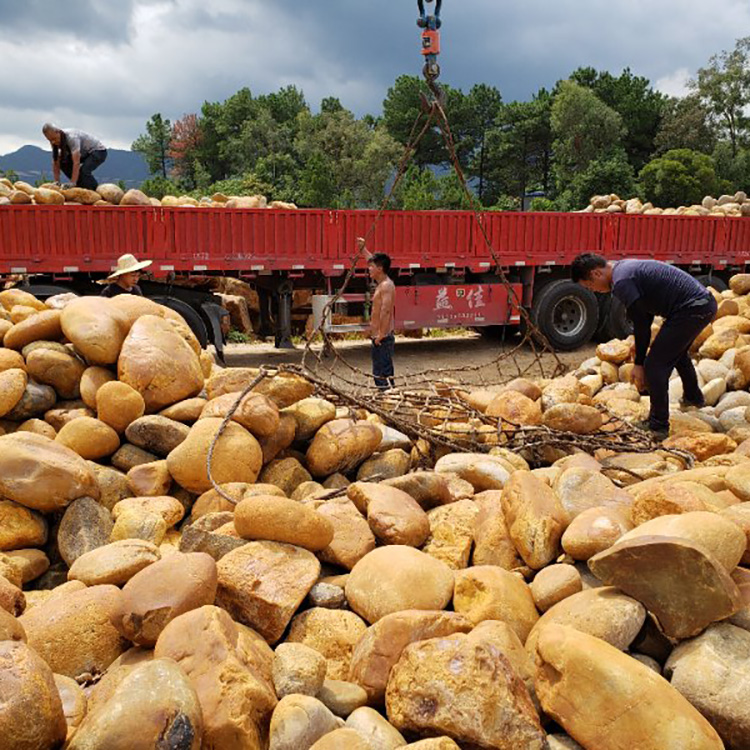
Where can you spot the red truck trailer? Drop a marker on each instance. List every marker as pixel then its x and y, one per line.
pixel 444 272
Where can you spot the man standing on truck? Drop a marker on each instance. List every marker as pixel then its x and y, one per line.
pixel 382 317
pixel 649 288
pixel 77 153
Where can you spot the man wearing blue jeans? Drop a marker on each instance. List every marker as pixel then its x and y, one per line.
pixel 382 318
pixel 649 288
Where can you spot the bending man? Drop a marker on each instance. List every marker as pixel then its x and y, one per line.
pixel 649 288
pixel 77 153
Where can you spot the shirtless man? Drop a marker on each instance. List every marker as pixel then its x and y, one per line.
pixel 381 321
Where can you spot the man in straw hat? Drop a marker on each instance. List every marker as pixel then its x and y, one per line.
pixel 124 279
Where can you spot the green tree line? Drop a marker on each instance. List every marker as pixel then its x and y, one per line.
pixel 594 132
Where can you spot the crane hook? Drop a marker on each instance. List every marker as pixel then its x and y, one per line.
pixel 422 22
pixel 430 24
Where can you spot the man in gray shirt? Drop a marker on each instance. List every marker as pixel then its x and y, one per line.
pixel 77 153
pixel 649 288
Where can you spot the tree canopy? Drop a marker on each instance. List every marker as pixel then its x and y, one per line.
pixel 154 145
pixel 686 123
pixel 594 131
pixel 584 128
pixel 638 104
pixel 723 86
pixel 679 177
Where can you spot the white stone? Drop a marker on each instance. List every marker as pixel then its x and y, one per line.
pixel 727 359
pixel 732 401
pixel 393 439
pixel 734 418
pixel 709 370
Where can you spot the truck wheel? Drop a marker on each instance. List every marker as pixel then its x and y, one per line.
pixel 613 319
pixel 710 280
pixel 45 291
pixel 566 313
pixel 191 317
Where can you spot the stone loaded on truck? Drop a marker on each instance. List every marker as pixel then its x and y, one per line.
pixel 444 271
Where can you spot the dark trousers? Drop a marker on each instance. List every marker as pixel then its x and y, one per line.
pixel 89 163
pixel 670 351
pixel 382 361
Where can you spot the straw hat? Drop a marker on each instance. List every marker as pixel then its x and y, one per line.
pixel 127 264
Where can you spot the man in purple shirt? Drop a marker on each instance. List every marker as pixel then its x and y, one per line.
pixel 649 288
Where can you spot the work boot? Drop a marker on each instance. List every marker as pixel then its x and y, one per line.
pixel 692 403
pixel 657 434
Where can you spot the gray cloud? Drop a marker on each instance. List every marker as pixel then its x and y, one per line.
pixel 87 19
pixel 108 66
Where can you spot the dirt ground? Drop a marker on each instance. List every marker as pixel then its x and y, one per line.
pixel 415 355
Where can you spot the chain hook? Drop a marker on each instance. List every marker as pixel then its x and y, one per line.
pixel 430 39
pixel 422 21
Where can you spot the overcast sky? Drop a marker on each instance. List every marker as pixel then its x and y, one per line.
pixel 107 65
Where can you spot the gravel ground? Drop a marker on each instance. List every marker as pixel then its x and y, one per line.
pixel 415 355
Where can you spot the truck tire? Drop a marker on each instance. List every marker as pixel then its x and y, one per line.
pixel 710 280
pixel 191 317
pixel 45 291
pixel 613 319
pixel 566 313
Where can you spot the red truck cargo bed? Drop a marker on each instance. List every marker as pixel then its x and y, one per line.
pixel 69 239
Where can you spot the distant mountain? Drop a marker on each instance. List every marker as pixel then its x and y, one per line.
pixel 31 162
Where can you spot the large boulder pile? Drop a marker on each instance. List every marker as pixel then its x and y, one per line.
pixel 330 594
pixel 21 193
